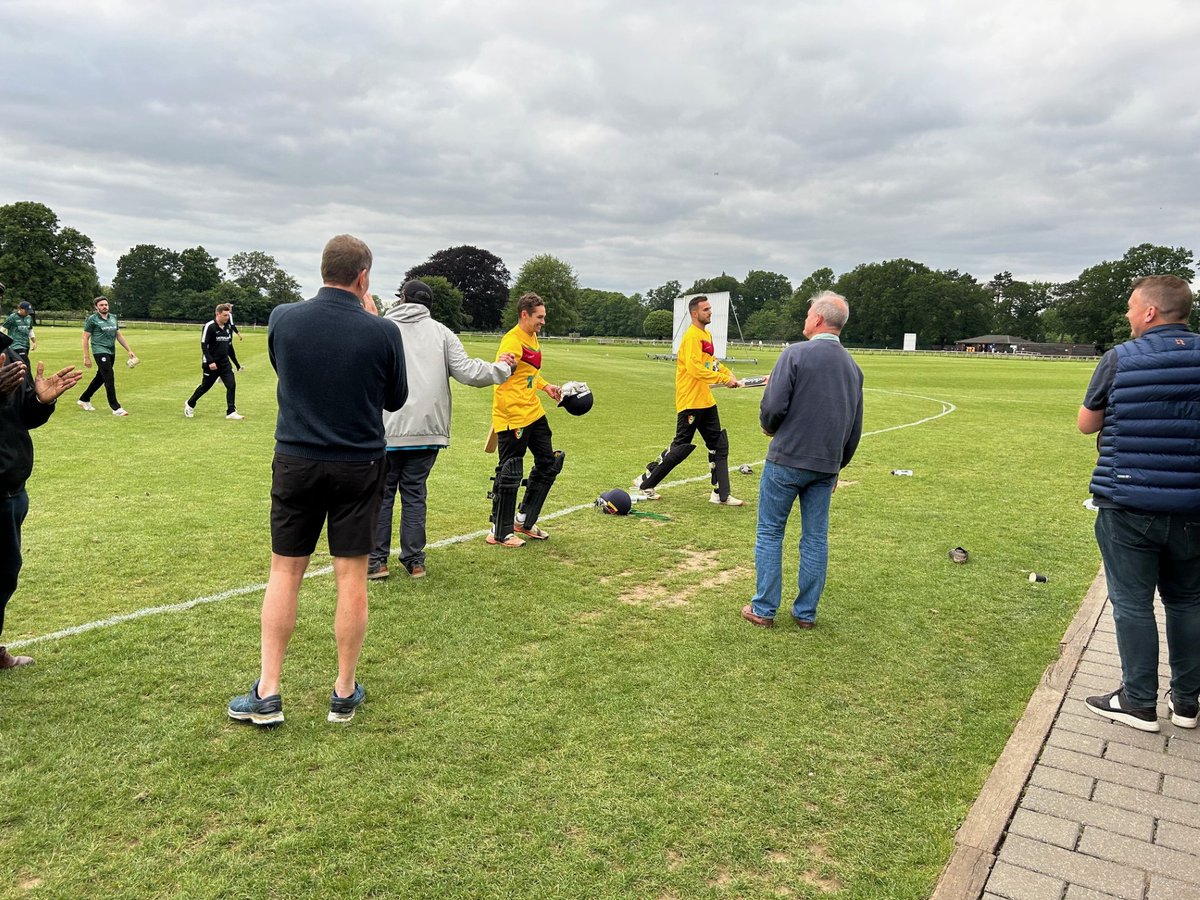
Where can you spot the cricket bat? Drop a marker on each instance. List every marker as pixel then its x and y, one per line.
pixel 489 445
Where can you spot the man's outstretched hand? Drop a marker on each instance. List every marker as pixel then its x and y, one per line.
pixel 50 387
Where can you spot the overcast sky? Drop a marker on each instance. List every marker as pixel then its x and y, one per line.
pixel 639 142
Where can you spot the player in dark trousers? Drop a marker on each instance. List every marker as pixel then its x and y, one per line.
pixel 520 424
pixel 696 369
pixel 217 361
pixel 101 333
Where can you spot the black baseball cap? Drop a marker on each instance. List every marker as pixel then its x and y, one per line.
pixel 416 292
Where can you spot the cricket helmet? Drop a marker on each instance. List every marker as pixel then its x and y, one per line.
pixel 576 397
pixel 614 503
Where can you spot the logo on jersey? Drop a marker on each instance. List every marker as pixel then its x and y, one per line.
pixel 707 347
pixel 532 357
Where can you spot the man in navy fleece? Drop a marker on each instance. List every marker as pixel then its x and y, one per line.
pixel 812 409
pixel 339 368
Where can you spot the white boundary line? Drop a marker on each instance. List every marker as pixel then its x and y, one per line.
pixel 947 408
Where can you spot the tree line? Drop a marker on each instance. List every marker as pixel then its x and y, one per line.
pixel 888 299
pixel 53 267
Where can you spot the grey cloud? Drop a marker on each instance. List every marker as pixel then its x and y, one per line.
pixel 640 143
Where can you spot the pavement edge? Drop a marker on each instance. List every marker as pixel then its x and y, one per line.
pixel 979 836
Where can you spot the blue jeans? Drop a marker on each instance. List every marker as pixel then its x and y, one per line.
pixel 408 470
pixel 1142 551
pixel 12 513
pixel 778 490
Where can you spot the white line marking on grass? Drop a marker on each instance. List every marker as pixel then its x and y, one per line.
pixel 947 408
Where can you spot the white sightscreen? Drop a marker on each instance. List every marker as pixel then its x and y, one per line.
pixel 718 327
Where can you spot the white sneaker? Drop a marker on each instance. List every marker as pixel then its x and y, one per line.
pixel 188 411
pixel 235 416
pixel 83 404
pixel 119 412
pixel 647 493
pixel 728 501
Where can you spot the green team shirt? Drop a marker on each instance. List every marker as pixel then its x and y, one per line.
pixel 103 332
pixel 18 328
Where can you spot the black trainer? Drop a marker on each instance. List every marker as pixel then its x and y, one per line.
pixel 341 709
pixel 1116 707
pixel 1185 713
pixel 250 707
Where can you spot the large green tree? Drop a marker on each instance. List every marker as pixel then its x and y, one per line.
pixel 663 296
pixel 198 270
pixel 1020 306
pixel 609 313
pixel 763 290
pixel 146 281
pixel 556 283
pixel 763 325
pixel 795 310
pixel 268 285
pixel 447 305
pixel 947 306
pixel 891 298
pixel 658 324
pixel 1091 308
pixel 50 267
pixel 481 276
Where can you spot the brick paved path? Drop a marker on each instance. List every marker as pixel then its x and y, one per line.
pixel 1108 811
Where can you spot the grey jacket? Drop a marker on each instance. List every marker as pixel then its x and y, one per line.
pixel 813 405
pixel 433 355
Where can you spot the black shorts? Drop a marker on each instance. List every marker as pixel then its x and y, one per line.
pixel 306 491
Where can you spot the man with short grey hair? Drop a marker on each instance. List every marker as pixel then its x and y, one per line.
pixel 812 409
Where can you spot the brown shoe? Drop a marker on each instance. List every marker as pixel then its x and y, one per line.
pixel 417 571
pixel 760 621
pixel 805 623
pixel 377 573
pixel 8 661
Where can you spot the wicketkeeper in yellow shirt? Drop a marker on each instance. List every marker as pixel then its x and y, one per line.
pixel 520 422
pixel 696 369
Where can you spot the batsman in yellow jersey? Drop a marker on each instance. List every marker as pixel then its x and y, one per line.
pixel 696 370
pixel 520 423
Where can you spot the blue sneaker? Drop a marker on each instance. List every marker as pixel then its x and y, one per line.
pixel 341 709
pixel 253 708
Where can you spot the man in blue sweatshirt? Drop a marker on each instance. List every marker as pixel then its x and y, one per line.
pixel 812 409
pixel 339 368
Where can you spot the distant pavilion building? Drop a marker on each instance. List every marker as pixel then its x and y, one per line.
pixel 1007 343
pixel 991 343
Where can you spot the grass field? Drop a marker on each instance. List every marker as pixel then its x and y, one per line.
pixel 587 717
